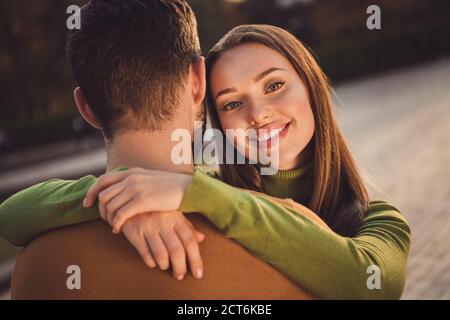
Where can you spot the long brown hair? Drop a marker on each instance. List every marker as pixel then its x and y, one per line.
pixel 338 194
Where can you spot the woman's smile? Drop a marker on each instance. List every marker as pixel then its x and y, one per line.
pixel 269 135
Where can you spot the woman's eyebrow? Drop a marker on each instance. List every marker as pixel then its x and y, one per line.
pixel 225 91
pixel 263 74
pixel 259 77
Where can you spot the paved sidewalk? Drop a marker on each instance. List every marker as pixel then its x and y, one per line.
pixel 75 165
pixel 49 152
pixel 398 125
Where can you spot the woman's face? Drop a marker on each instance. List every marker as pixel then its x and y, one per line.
pixel 255 87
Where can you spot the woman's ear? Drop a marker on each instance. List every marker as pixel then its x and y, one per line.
pixel 84 109
pixel 198 77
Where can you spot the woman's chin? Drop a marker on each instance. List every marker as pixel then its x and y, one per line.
pixel 289 163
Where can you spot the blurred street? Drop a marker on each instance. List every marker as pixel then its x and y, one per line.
pixel 398 125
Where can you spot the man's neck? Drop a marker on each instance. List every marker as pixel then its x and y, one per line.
pixel 148 150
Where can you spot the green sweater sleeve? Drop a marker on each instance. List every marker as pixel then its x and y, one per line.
pixel 43 207
pixel 325 263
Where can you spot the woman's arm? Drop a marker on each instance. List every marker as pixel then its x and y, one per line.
pixel 53 204
pixel 44 207
pixel 327 264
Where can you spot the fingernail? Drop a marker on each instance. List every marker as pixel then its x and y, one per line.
pixel 199 273
pixel 84 202
pixel 180 277
pixel 115 231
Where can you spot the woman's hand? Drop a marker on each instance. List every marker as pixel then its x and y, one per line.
pixel 163 236
pixel 122 195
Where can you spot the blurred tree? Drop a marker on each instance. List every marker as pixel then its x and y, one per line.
pixel 291 15
pixel 215 18
pixel 411 31
pixel 33 68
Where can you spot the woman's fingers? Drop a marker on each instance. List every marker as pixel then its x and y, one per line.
pixel 176 252
pixel 134 207
pixel 199 236
pixel 116 203
pixel 106 196
pixel 167 239
pixel 159 251
pixel 190 244
pixel 102 183
pixel 142 247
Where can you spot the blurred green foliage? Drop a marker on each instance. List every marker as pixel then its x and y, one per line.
pixel 36 84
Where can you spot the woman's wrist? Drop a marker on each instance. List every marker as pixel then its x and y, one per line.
pixel 182 183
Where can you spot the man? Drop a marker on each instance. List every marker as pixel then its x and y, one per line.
pixel 140 76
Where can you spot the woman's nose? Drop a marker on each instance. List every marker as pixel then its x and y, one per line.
pixel 259 114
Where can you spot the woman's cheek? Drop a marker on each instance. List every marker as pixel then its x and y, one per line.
pixel 227 122
pixel 232 124
pixel 307 115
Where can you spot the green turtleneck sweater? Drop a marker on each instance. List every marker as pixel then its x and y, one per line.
pixel 288 183
pixel 325 263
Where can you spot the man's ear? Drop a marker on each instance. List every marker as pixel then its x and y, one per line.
pixel 197 73
pixel 84 109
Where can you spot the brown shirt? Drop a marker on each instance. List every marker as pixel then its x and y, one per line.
pixel 112 269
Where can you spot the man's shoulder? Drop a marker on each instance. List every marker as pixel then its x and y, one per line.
pixel 112 269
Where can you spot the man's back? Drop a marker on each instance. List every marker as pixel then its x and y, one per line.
pixel 112 269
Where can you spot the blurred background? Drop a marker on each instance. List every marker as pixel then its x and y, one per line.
pixel 392 99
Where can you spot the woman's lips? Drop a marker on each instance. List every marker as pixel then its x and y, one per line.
pixel 281 136
pixel 267 137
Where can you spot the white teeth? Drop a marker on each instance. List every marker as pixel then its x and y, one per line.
pixel 267 136
pixel 264 134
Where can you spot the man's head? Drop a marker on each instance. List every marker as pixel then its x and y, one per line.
pixel 136 63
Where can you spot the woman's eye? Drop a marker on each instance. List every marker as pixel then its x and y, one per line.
pixel 275 86
pixel 232 105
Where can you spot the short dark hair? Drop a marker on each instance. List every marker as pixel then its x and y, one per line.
pixel 131 58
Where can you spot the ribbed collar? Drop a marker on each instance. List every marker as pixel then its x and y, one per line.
pixel 294 184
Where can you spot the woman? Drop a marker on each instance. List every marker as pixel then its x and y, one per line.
pixel 299 96
pixel 262 78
